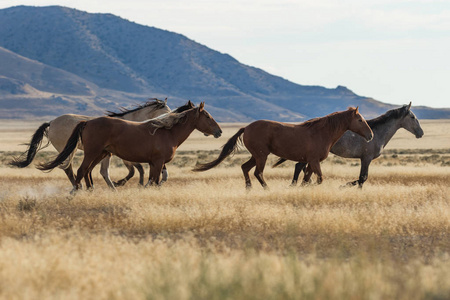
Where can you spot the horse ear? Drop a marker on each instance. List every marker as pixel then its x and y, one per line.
pixel 165 101
pixel 202 106
pixel 357 110
pixel 190 104
pixel 409 106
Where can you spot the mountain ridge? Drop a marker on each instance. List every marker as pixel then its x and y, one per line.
pixel 103 61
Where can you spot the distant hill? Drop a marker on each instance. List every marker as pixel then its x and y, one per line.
pixel 58 60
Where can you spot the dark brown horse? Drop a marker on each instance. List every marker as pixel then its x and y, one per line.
pixel 309 142
pixel 154 141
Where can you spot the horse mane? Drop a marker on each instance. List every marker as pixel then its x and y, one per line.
pixel 396 113
pixel 333 120
pixel 167 121
pixel 158 104
pixel 184 107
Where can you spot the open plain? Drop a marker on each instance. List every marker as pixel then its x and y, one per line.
pixel 203 236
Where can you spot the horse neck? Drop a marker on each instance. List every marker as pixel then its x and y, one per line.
pixel 337 132
pixel 384 132
pixel 182 131
pixel 144 114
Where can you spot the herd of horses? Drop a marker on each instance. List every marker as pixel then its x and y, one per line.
pixel 152 132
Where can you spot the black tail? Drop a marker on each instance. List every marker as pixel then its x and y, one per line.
pixel 279 162
pixel 227 149
pixel 33 147
pixel 70 146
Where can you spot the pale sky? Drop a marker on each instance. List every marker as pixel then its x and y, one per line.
pixel 395 51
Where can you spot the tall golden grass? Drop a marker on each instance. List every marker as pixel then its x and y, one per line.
pixel 203 236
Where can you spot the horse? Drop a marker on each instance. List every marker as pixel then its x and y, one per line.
pixel 352 146
pixel 59 129
pixel 154 141
pixel 165 174
pixel 305 142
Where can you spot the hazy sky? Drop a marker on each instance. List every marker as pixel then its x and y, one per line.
pixel 395 51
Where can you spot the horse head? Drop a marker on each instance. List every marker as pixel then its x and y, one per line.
pixel 410 122
pixel 206 123
pixel 359 125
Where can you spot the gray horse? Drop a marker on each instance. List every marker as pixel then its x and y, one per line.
pixel 351 145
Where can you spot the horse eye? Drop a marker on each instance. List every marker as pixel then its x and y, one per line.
pixel 360 120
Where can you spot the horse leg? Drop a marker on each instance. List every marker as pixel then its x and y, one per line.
pixel 70 174
pixel 164 174
pixel 308 173
pixel 91 182
pixel 155 173
pixel 364 173
pixel 140 169
pixel 246 167
pixel 88 176
pixel 315 168
pixel 130 174
pixel 298 169
pixel 83 170
pixel 104 170
pixel 260 164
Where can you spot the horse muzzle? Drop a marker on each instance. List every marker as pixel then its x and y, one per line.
pixel 218 134
pixel 419 134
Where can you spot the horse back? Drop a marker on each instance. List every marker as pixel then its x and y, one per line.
pixel 61 128
pixel 117 136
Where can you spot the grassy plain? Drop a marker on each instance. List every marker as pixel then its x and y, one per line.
pixel 203 236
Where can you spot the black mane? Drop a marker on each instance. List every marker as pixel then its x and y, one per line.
pixel 123 111
pixel 396 113
pixel 184 107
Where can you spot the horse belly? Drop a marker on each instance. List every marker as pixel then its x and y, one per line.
pixel 292 148
pixel 350 145
pixel 130 152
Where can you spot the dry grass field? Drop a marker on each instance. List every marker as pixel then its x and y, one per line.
pixel 203 236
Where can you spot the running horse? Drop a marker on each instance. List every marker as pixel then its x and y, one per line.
pixel 59 129
pixel 154 141
pixel 352 146
pixel 308 142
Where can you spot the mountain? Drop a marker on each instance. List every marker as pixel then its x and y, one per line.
pixel 56 60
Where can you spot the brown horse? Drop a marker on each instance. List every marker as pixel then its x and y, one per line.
pixel 59 129
pixel 154 141
pixel 306 142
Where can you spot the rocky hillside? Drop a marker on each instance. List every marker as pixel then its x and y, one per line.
pixel 57 60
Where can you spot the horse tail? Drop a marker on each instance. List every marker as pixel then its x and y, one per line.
pixel 33 147
pixel 227 149
pixel 69 148
pixel 279 162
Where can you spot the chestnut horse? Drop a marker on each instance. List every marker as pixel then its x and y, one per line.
pixel 154 141
pixel 308 142
pixel 353 146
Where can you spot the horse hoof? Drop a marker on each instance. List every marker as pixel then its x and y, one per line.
pixel 119 183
